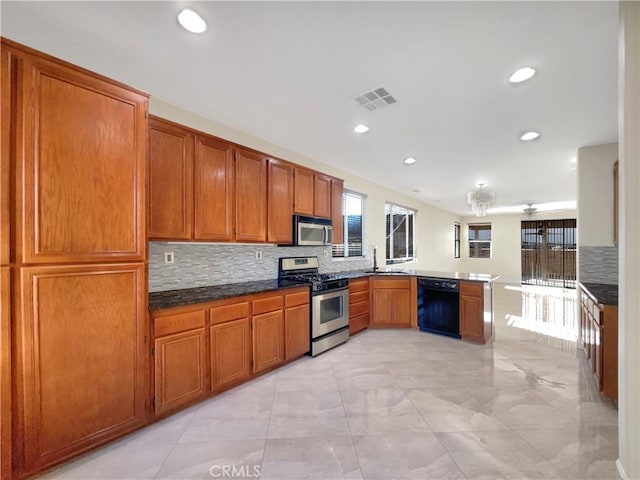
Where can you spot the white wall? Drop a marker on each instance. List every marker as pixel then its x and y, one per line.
pixel 629 234
pixel 595 194
pixel 434 232
pixel 505 258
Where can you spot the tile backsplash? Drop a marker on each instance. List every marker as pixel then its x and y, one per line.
pixel 197 264
pixel 598 264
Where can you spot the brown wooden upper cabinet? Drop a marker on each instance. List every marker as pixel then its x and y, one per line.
pixel 171 181
pixel 251 196
pixel 205 188
pixel 214 189
pixel 6 102
pixel 304 192
pixel 83 147
pixel 337 190
pixel 322 200
pixel 280 202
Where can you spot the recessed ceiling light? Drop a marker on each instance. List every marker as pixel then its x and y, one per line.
pixel 361 128
pixel 409 161
pixel 191 21
pixel 529 136
pixel 522 74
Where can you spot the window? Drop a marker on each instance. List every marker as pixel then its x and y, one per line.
pixel 456 240
pixel 480 240
pixel 353 214
pixel 400 233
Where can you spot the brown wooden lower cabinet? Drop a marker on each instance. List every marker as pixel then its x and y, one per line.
pixel 297 323
pixel 392 302
pixel 358 305
pixel 599 338
pixel 476 322
pixel 230 353
pixel 80 359
pixel 268 340
pixel 5 374
pixel 180 359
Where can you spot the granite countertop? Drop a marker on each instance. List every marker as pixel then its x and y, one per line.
pixel 477 277
pixel 604 293
pixel 190 296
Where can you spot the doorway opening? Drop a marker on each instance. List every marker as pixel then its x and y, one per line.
pixel 549 252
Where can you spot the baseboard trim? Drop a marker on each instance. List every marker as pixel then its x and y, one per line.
pixel 622 475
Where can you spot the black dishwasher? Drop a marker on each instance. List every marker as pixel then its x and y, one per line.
pixel 439 306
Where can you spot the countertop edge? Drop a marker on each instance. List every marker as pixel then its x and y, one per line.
pixel 214 297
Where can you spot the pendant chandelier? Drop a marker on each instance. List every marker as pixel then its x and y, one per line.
pixel 480 200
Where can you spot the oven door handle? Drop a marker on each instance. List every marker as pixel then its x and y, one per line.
pixel 325 235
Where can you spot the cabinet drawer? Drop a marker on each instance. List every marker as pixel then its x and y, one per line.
pixel 224 313
pixel 295 299
pixel 359 285
pixel 356 297
pixel 359 308
pixel 392 283
pixel 178 322
pixel 268 304
pixel 358 323
pixel 471 289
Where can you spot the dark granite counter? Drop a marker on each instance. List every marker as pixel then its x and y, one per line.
pixel 603 293
pixel 190 296
pixel 476 277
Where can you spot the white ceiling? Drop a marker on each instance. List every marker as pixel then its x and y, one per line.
pixel 288 72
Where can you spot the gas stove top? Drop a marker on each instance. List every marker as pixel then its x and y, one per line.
pixel 294 270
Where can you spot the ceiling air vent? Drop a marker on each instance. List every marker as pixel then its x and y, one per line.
pixel 376 99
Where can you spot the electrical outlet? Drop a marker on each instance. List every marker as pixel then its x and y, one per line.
pixel 258 254
pixel 326 254
pixel 169 257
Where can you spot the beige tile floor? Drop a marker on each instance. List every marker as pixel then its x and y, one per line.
pixel 394 404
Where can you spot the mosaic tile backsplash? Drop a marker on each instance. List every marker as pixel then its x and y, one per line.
pixel 598 264
pixel 197 265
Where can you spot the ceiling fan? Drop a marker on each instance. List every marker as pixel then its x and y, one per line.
pixel 530 210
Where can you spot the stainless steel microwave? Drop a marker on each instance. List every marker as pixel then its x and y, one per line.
pixel 312 231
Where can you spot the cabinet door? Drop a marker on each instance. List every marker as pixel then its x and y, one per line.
pixel 170 181
pixel 81 362
pixel 180 361
pixel 337 191
pixel 358 323
pixel 280 202
pixel 83 146
pixel 214 189
pixel 382 306
pixel 5 376
pixel 401 308
pixel 268 340
pixel 297 324
pixel 6 104
pixel 322 201
pixel 251 196
pixel 304 192
pixel 596 351
pixel 471 318
pixel 230 353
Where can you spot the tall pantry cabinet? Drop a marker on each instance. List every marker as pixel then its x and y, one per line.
pixel 77 260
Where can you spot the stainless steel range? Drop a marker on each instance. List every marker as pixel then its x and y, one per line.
pixel 329 301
